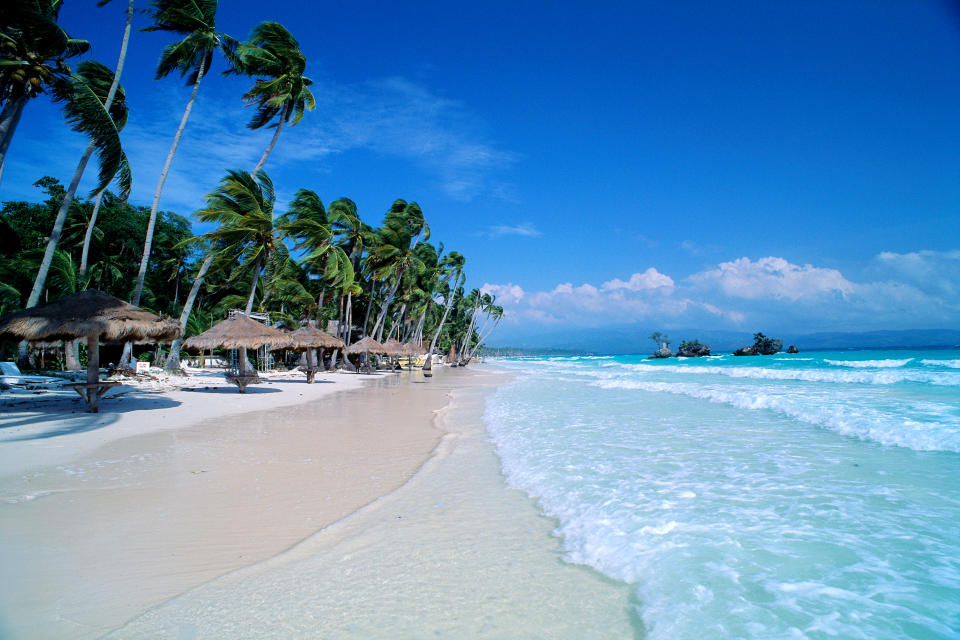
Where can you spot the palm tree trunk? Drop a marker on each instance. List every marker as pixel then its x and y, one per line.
pixel 173 360
pixel 9 119
pixel 148 241
pixel 428 365
pixel 253 284
pixel 107 104
pixel 55 234
pixel 366 319
pixel 266 153
pixel 88 236
pixel 469 334
pixel 386 304
pixel 473 352
pixel 348 320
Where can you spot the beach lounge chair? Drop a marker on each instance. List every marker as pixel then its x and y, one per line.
pixel 11 376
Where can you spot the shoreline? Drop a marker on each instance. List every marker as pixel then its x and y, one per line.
pixel 453 552
pixel 189 502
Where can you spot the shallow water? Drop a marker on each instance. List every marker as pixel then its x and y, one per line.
pixel 807 496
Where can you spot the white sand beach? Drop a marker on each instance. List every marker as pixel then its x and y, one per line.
pixel 104 515
pixel 128 520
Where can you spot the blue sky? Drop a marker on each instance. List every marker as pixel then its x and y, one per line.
pixel 753 165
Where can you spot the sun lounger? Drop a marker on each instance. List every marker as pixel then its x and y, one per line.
pixel 11 376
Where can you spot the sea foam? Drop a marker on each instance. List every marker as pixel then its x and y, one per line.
pixel 729 514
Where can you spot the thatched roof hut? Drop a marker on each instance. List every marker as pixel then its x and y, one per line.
pixel 310 337
pixel 414 349
pixel 89 312
pixel 239 332
pixel 96 315
pixel 394 348
pixel 367 345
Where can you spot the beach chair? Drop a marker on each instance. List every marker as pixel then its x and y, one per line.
pixel 11 376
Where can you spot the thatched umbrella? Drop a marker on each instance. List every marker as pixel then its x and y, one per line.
pixel 394 348
pixel 368 345
pixel 100 318
pixel 240 332
pixel 309 338
pixel 414 349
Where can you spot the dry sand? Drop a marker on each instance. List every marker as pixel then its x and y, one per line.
pixel 104 516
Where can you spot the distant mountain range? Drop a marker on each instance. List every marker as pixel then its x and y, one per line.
pixel 636 340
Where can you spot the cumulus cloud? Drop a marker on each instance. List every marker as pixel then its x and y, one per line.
pixel 646 281
pixel 505 293
pixel 774 278
pixel 916 292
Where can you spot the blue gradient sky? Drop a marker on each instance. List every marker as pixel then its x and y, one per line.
pixel 753 165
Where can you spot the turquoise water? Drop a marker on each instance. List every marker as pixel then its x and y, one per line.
pixel 791 496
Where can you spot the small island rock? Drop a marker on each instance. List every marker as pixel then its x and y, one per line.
pixel 663 352
pixel 793 349
pixel 693 349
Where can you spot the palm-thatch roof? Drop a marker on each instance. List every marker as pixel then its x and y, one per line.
pixel 310 337
pixel 87 313
pixel 394 348
pixel 367 345
pixel 239 332
pixel 414 349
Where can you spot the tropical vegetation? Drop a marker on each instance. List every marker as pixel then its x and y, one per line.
pixel 312 262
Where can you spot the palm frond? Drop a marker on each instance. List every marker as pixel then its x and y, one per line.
pixel 86 114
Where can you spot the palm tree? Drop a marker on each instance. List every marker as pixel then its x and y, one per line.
pixel 243 207
pixel 494 313
pixel 404 226
pixel 33 54
pixel 354 236
pixel 307 224
pixel 281 91
pixel 114 87
pixel 193 55
pixel 96 81
pixel 453 263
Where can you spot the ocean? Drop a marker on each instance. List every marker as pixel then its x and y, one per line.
pixel 814 495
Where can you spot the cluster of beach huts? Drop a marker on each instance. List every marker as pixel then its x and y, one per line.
pixel 101 318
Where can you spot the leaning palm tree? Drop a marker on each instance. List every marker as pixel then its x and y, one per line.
pixel 452 265
pixel 85 106
pixel 243 207
pixel 404 226
pixel 33 55
pixel 83 97
pixel 281 92
pixel 114 87
pixel 353 235
pixel 192 57
pixel 307 224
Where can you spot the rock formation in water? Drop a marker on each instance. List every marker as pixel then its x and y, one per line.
pixel 793 349
pixel 693 349
pixel 762 346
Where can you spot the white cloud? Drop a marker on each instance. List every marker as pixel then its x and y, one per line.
pixel 773 278
pixel 648 280
pixel 505 293
pixel 937 271
pixel 525 229
pixel 770 292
